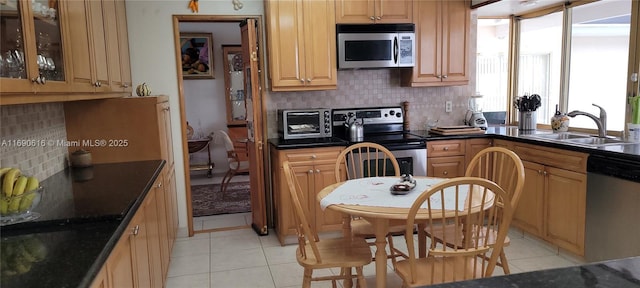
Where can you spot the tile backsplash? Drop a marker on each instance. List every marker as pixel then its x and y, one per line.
pixel 373 88
pixel 32 138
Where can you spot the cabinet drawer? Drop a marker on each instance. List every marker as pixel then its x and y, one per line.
pixel 314 154
pixel 446 167
pixel 559 158
pixel 445 148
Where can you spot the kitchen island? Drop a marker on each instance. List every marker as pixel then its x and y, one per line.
pixel 83 215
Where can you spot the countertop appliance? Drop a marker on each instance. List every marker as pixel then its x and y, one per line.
pixel 375 46
pixel 613 208
pixel 384 126
pixel 474 116
pixel 304 123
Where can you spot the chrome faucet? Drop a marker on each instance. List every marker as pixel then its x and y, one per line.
pixel 600 122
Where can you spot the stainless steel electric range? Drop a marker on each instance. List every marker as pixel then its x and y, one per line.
pixel 384 126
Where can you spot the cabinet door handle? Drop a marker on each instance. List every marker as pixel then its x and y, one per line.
pixel 308 80
pixel 446 148
pixel 378 17
pixel 372 18
pixel 444 76
pixel 125 85
pixel 438 76
pixel 544 173
pixel 317 170
pixel 302 80
pixel 539 172
pixel 310 171
pixel 445 172
pixel 136 230
pixel 314 156
pixel 160 185
pixel 166 108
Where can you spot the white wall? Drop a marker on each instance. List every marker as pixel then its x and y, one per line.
pixel 204 99
pixel 153 59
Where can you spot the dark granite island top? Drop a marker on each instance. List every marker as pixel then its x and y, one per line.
pixel 81 221
pixel 620 273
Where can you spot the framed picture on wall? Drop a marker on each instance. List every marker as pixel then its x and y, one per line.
pixel 197 58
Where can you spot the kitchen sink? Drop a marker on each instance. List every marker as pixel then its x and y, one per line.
pixel 560 136
pixel 595 141
pixel 578 139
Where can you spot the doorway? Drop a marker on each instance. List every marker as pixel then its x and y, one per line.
pixel 215 116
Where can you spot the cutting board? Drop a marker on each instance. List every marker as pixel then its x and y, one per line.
pixel 456 130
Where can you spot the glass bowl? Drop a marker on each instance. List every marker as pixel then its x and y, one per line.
pixel 16 209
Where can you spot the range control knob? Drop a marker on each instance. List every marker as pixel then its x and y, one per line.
pixel 392 112
pixel 398 114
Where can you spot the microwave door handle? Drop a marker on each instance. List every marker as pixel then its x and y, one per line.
pixel 395 49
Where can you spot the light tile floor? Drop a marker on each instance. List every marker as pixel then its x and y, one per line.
pixel 241 258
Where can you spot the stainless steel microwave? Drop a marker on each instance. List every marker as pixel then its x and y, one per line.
pixel 304 123
pixel 375 45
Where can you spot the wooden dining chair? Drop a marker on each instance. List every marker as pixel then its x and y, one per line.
pixel 315 253
pixel 235 165
pixel 503 167
pixel 446 203
pixel 363 160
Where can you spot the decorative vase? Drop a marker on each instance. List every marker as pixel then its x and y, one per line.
pixel 560 121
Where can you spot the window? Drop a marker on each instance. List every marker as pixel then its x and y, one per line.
pixel 599 59
pixel 591 67
pixel 539 62
pixel 598 53
pixel 492 69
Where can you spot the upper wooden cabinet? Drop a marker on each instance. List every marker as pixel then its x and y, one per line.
pixel 100 46
pixel 33 47
pixel 301 38
pixel 374 11
pixel 442 44
pixel 63 50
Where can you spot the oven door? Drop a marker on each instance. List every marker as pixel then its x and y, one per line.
pixel 411 161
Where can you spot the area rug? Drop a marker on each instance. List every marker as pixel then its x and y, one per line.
pixel 208 200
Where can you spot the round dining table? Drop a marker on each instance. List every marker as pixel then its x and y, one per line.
pixel 371 199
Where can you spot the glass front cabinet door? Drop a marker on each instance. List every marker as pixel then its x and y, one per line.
pixel 31 46
pixel 234 85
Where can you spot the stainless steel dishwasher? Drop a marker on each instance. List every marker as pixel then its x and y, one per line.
pixel 613 208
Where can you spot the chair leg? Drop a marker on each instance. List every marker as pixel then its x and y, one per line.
pixel 306 280
pixel 348 281
pixel 360 275
pixel 504 264
pixel 225 180
pixel 392 250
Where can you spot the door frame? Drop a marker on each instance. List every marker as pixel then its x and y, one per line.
pixel 177 19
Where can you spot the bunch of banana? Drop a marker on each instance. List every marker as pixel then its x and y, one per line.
pixel 18 255
pixel 14 185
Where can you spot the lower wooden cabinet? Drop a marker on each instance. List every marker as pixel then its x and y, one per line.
pixel 314 169
pixel 141 256
pixel 553 202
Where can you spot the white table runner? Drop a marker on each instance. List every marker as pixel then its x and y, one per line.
pixel 375 191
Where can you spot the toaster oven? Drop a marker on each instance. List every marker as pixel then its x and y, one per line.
pixel 304 123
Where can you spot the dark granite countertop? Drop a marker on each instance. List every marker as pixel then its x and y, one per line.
pixel 627 151
pixel 279 143
pixel 81 221
pixel 619 273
